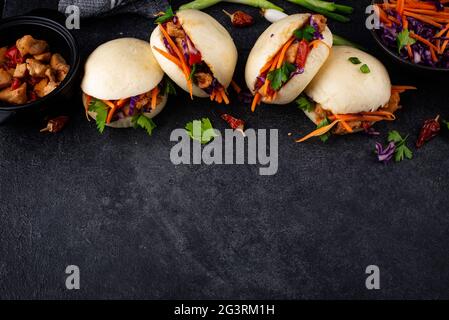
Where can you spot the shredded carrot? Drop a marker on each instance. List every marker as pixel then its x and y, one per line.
pixel 256 101
pixel 181 57
pixel 400 6
pixel 225 97
pixel 444 45
pixel 219 97
pixel 88 102
pixel 394 19
pixel 319 132
pixel 346 126
pixel 212 96
pixel 409 51
pixel 111 111
pixel 401 89
pixel 169 57
pixel 315 43
pixel 121 102
pixel 235 86
pixel 283 52
pixel 423 19
pixel 154 94
pixel 425 41
pixel 404 22
pixel 433 55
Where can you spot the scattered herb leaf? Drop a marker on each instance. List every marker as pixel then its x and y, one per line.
pixel 201 130
pixel 404 39
pixel 279 76
pixel 305 104
pixel 166 16
pixel 142 121
pixel 354 60
pixel 365 69
pixel 402 151
pixel 101 110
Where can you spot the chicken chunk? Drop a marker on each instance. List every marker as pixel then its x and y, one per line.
pixel 40 87
pixel 50 87
pixel 5 79
pixel 50 74
pixel 29 45
pixel 36 69
pixel 18 96
pixel 393 104
pixel 61 67
pixel 21 70
pixel 292 52
pixel 2 55
pixel 175 30
pixel 44 57
pixel 320 21
pixel 203 79
pixel 143 101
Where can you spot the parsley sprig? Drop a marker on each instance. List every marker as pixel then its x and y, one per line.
pixel 142 121
pixel 403 39
pixel 306 33
pixel 280 76
pixel 101 111
pixel 305 104
pixel 402 151
pixel 201 130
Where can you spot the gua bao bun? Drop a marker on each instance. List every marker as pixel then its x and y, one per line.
pixel 203 42
pixel 124 74
pixel 350 93
pixel 269 46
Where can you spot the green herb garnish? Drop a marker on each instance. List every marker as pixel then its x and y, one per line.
pixel 403 39
pixel 354 60
pixel 143 122
pixel 192 73
pixel 279 76
pixel 365 69
pixel 305 33
pixel 166 16
pixel 101 111
pixel 402 151
pixel 201 130
pixel 323 123
pixel 170 88
pixel 305 104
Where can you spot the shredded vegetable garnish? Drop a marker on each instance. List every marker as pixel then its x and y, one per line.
pixel 418 30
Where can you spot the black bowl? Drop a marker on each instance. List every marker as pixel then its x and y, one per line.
pixel 408 65
pixel 60 41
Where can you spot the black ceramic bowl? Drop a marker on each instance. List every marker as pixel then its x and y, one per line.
pixel 60 41
pixel 408 65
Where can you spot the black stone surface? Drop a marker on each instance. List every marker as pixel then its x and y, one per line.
pixel 140 227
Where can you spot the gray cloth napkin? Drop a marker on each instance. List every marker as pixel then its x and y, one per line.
pixel 91 8
pixel 88 8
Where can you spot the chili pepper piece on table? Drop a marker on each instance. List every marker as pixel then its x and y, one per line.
pixel 234 123
pixel 56 125
pixel 240 19
pixel 430 129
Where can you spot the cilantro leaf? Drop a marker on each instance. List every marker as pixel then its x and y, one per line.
pixel 323 123
pixel 402 151
pixel 201 130
pixel 169 88
pixel 166 16
pixel 192 73
pixel 101 111
pixel 279 76
pixel 306 33
pixel 365 69
pixel 354 60
pixel 305 104
pixel 144 122
pixel 403 38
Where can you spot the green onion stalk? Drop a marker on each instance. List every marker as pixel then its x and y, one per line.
pixel 203 4
pixel 328 9
pixel 340 41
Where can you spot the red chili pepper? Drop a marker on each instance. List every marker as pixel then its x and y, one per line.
pixel 13 54
pixel 430 129
pixel 194 58
pixel 234 123
pixel 16 83
pixel 303 52
pixel 56 124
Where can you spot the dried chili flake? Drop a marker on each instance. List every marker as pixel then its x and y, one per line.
pixel 234 123
pixel 240 19
pixel 430 129
pixel 56 124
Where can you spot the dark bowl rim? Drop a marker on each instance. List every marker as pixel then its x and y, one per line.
pixel 394 55
pixel 73 47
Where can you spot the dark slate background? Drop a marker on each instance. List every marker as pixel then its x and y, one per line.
pixel 140 227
